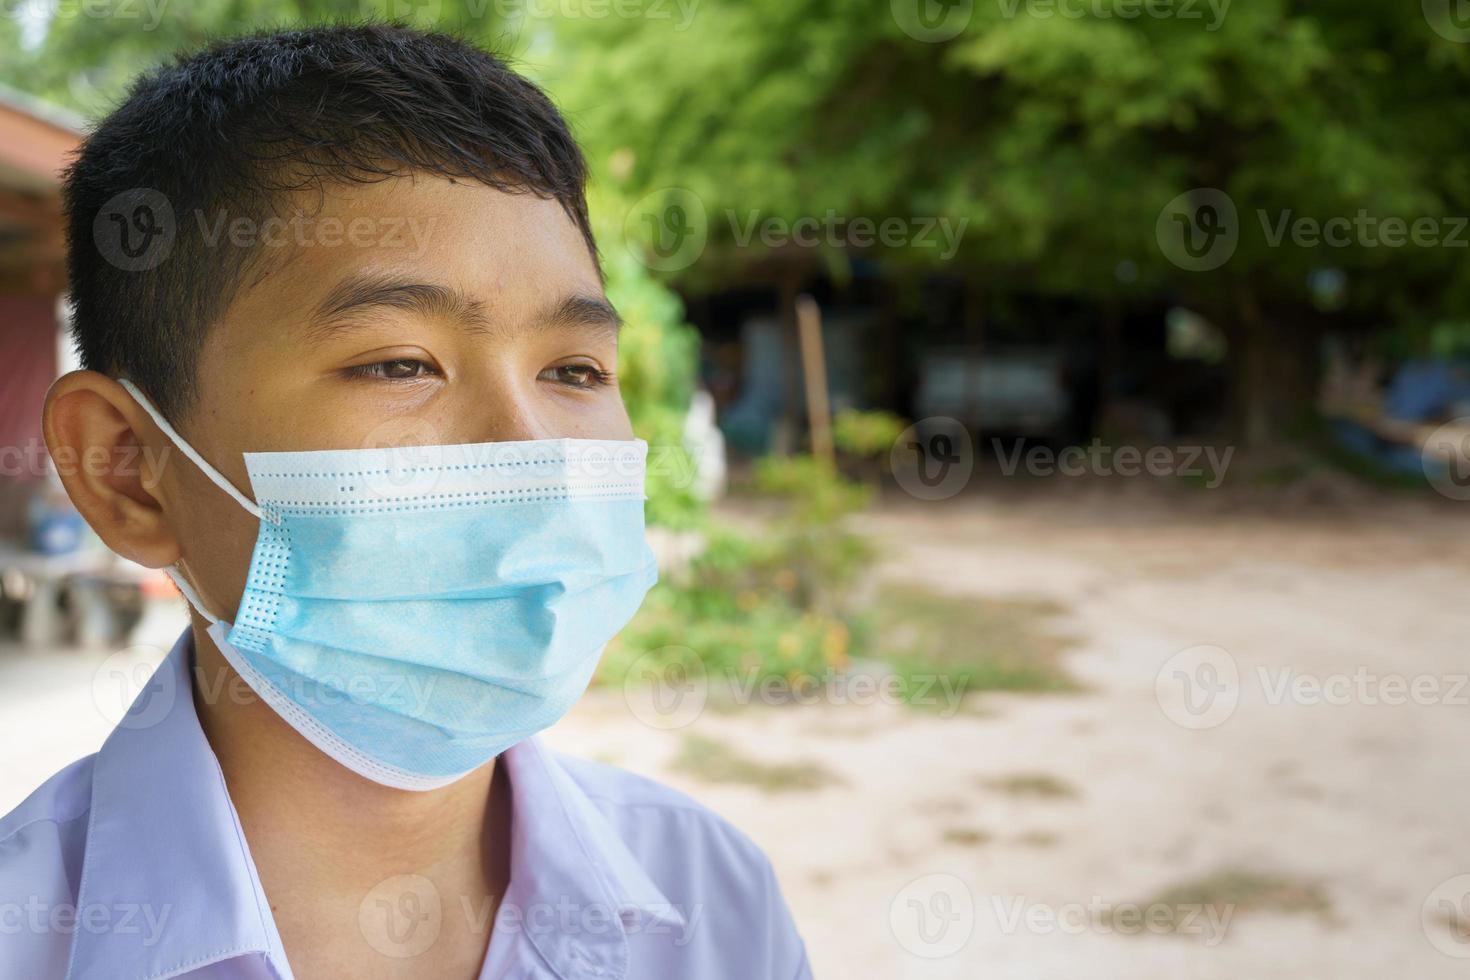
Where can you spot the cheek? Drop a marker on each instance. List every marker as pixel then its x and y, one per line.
pixel 216 536
pixel 602 416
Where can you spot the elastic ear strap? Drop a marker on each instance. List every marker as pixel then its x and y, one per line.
pixel 190 595
pixel 214 475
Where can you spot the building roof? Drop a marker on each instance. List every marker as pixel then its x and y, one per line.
pixel 36 142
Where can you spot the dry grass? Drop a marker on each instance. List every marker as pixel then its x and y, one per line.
pixel 712 762
pixel 981 644
pixel 1231 891
pixel 1037 785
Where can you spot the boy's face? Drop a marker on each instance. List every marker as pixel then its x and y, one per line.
pixel 453 313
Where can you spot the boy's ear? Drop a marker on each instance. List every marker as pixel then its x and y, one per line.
pixel 111 458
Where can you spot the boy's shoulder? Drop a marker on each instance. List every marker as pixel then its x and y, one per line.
pixel 703 865
pixel 634 802
pixel 42 845
pixel 64 801
pixel 621 787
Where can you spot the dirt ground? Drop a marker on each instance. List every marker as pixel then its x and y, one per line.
pixel 1318 828
pixel 1315 830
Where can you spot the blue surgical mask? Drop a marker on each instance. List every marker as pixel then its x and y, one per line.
pixel 414 612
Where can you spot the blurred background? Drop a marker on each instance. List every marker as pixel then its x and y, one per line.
pixel 1060 414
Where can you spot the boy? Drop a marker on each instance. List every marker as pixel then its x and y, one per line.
pixel 287 250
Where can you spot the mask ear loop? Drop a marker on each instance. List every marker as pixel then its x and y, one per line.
pixel 191 596
pixel 214 475
pixel 173 571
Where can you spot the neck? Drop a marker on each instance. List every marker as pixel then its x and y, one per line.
pixel 323 838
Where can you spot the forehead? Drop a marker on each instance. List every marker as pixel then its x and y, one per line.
pixel 509 251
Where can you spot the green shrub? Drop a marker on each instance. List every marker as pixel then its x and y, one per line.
pixel 658 364
pixel 772 604
pixel 866 435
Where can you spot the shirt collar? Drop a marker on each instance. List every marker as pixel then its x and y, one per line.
pixel 576 890
pixel 163 837
pixel 164 846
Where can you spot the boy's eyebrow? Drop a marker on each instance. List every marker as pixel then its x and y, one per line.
pixel 584 310
pixel 364 291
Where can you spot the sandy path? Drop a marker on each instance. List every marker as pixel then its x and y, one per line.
pixel 1366 801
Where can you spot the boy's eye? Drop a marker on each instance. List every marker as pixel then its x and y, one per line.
pixel 577 375
pixel 401 369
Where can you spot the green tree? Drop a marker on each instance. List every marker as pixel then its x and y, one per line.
pixel 1059 139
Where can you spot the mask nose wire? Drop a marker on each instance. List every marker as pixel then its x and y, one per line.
pixel 215 476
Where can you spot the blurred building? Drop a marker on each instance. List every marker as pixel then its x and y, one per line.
pixel 35 142
pixel 1001 362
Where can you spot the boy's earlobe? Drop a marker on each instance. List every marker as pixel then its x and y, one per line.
pixel 111 459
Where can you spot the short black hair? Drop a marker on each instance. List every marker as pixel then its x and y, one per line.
pixel 237 128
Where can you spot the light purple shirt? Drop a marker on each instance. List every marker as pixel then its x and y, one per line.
pixel 131 865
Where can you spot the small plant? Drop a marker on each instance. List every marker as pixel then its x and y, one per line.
pixel 865 440
pixel 867 435
pixel 773 605
pixel 824 556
